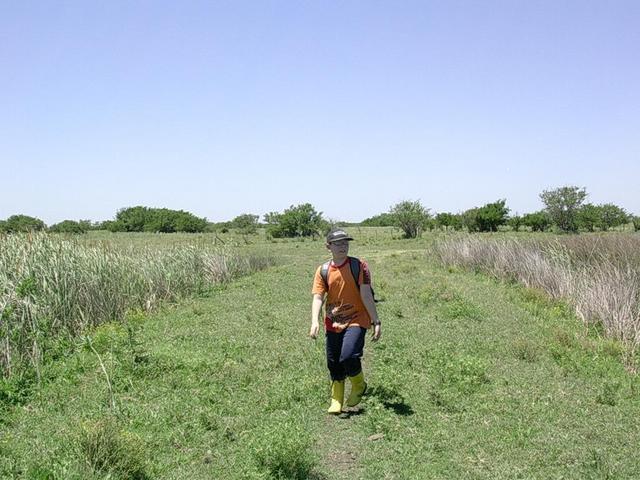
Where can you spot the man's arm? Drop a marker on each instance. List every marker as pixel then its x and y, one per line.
pixel 316 307
pixel 370 305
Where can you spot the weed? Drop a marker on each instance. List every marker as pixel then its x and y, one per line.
pixel 282 451
pixel 609 394
pixel 525 350
pixel 106 449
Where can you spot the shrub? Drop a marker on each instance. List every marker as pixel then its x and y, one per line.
pixel 411 217
pixel 143 219
pixel 246 224
pixel 515 221
pixel 491 216
pixel 538 221
pixel 562 205
pixel 68 226
pixel 23 223
pixel 381 220
pixel 296 221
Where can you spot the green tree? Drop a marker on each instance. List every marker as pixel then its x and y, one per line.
pixel 445 220
pixel 68 226
pixel 188 222
pixel 411 217
pixel 636 223
pixel 612 216
pixel 537 221
pixel 296 221
pixel 562 204
pixel 164 220
pixel 130 219
pixel 246 223
pixel 515 221
pixel 588 217
pixel 469 220
pixel 491 216
pixel 23 223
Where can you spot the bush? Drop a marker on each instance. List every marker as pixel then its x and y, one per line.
pixel 23 223
pixel 563 205
pixel 246 224
pixel 68 226
pixel 447 220
pixel 143 219
pixel 514 222
pixel 411 217
pixel 537 221
pixel 296 221
pixel 491 216
pixel 636 223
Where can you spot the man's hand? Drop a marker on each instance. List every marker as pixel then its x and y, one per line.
pixel 377 331
pixel 315 328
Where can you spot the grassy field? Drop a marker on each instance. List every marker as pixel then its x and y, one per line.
pixel 473 378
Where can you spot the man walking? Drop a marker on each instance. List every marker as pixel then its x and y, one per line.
pixel 350 311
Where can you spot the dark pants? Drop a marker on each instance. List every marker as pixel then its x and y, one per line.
pixel 344 350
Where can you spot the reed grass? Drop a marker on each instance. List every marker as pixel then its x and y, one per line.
pixel 599 275
pixel 52 287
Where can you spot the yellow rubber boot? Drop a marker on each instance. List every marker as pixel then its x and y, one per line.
pixel 337 396
pixel 358 387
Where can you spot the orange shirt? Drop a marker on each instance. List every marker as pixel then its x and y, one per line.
pixel 344 307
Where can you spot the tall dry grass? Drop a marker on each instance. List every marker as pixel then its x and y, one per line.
pixel 598 274
pixel 51 287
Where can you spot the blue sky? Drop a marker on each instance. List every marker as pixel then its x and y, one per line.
pixel 223 108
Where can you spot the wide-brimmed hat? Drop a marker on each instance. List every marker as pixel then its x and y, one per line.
pixel 336 235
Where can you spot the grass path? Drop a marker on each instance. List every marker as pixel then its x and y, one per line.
pixel 472 379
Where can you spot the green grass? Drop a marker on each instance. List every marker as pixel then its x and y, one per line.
pixel 471 379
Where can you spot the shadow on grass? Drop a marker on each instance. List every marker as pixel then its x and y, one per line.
pixel 389 398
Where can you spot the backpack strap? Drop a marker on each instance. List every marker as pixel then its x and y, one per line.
pixel 354 264
pixel 324 273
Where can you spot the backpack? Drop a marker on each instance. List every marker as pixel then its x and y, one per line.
pixel 354 264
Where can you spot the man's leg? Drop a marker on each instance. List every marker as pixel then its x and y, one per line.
pixel 334 343
pixel 352 349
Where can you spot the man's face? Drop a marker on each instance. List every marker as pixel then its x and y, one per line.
pixel 339 248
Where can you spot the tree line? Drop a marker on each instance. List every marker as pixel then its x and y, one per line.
pixel 565 210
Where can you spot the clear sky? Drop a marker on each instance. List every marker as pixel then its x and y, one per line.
pixel 229 107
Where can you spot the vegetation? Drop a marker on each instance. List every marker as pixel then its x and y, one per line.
pixel 537 221
pixel 62 288
pixel 246 224
pixel 296 221
pixel 144 219
pixel 486 218
pixel 411 217
pixel 602 217
pixel 472 378
pixel 599 276
pixel 22 223
pixel 381 220
pixel 563 205
pixel 71 226
pixel 448 221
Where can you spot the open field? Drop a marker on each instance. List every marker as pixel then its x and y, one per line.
pixel 473 378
